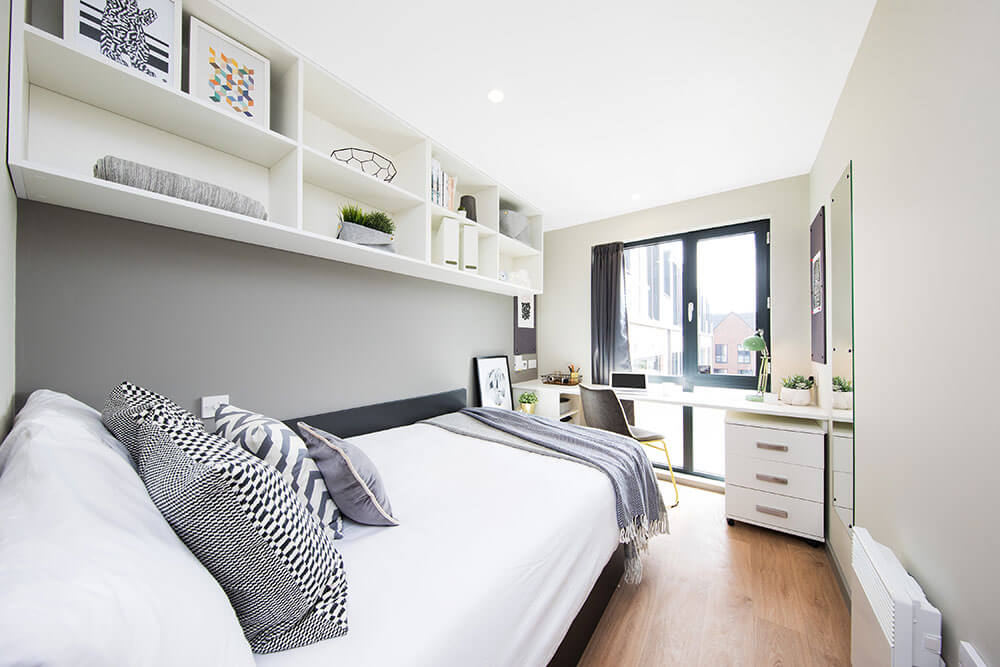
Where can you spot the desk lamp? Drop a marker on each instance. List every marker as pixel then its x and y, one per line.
pixel 756 343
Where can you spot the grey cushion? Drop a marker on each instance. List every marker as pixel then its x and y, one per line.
pixel 350 476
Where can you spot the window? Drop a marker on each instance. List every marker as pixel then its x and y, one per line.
pixel 690 298
pixel 721 353
pixel 742 355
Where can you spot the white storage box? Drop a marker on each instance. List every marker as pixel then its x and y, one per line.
pixel 470 248
pixel 445 249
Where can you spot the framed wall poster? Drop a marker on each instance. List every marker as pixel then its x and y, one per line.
pixel 144 35
pixel 525 314
pixel 493 380
pixel 817 285
pixel 223 71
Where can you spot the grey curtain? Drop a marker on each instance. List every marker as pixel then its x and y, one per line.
pixel 608 320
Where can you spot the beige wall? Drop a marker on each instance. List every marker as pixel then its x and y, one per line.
pixel 8 230
pixel 919 118
pixel 564 308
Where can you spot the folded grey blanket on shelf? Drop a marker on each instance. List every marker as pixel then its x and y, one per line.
pixel 144 177
pixel 640 508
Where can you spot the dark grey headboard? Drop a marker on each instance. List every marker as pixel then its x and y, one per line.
pixel 378 417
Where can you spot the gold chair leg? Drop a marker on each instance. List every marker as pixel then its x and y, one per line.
pixel 673 480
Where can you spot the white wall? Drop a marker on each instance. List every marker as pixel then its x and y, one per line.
pixel 564 307
pixel 920 118
pixel 8 231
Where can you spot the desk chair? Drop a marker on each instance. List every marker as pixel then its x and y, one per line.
pixel 603 410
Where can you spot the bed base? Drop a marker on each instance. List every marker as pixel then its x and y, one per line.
pixel 382 416
pixel 582 628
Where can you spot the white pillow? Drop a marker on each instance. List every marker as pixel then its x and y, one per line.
pixel 90 572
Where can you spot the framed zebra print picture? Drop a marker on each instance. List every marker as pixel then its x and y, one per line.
pixel 142 35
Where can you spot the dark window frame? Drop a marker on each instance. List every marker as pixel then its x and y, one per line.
pixel 689 290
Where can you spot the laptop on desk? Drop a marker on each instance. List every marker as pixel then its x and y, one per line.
pixel 628 383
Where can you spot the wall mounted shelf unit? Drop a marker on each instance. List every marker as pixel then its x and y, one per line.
pixel 69 108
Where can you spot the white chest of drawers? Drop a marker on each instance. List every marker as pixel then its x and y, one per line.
pixel 775 473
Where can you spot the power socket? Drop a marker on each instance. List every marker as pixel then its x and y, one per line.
pixel 209 404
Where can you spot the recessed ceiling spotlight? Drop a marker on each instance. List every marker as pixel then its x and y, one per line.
pixel 495 96
pixel 635 196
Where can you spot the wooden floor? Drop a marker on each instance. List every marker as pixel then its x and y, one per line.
pixel 719 595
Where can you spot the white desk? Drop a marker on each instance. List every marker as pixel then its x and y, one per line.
pixel 671 394
pixel 775 459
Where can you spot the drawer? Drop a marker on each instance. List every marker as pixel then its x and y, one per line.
pixel 797 447
pixel 785 479
pixel 843 489
pixel 843 454
pixel 769 509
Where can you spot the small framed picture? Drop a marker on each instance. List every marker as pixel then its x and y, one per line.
pixel 224 72
pixel 493 378
pixel 143 35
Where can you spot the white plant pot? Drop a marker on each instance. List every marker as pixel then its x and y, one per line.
pixel 795 396
pixel 843 400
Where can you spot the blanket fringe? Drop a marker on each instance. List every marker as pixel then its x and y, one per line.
pixel 635 536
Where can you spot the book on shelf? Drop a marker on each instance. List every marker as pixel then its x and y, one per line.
pixel 444 188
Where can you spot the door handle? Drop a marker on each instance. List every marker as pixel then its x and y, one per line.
pixel 774 479
pixel 764 509
pixel 690 311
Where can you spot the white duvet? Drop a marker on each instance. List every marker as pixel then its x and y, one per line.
pixel 496 551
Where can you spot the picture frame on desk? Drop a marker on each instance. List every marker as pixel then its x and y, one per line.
pixel 141 35
pixel 493 382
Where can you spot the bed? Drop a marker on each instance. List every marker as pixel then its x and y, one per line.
pixel 502 557
pixel 488 579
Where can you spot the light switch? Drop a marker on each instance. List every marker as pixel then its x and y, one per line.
pixel 532 363
pixel 209 404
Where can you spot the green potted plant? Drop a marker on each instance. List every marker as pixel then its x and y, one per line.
pixel 796 390
pixel 528 400
pixel 843 394
pixel 372 228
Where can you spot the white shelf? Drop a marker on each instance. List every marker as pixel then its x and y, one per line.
pixel 438 212
pixel 330 174
pixel 59 94
pixel 97 196
pixel 514 248
pixel 101 83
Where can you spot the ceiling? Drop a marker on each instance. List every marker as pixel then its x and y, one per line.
pixel 603 101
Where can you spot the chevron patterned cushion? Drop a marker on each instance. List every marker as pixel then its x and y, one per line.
pixel 281 448
pixel 278 567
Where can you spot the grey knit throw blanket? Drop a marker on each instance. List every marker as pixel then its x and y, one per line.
pixel 133 174
pixel 640 509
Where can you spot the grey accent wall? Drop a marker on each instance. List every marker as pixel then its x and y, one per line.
pixel 918 120
pixel 8 234
pixel 100 299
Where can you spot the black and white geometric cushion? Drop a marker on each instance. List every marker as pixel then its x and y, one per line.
pixel 126 405
pixel 281 448
pixel 282 574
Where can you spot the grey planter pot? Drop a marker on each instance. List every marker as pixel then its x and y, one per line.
pixel 355 233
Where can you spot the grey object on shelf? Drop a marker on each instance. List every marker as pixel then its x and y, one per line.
pixel 355 233
pixel 515 225
pixel 367 161
pixel 468 204
pixel 161 181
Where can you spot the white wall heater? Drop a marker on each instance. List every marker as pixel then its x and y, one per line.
pixel 892 623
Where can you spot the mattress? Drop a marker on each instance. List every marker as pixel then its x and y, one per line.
pixel 496 551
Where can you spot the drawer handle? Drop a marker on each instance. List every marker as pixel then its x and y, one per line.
pixel 774 479
pixel 773 448
pixel 764 509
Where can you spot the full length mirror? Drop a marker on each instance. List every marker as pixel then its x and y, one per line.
pixel 842 331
